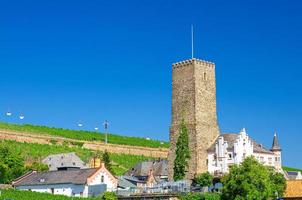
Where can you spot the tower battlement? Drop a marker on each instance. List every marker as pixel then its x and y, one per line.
pixel 191 61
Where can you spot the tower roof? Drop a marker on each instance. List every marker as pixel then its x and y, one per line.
pixel 275 146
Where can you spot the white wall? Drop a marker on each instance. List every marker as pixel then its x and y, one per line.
pixel 107 180
pixel 62 189
pixel 221 158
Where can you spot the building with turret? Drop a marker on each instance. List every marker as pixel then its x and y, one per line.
pixel 233 148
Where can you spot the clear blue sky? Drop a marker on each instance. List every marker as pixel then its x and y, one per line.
pixel 67 61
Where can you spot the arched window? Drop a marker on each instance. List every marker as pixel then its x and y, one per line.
pixel 102 178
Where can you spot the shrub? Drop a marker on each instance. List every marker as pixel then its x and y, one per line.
pixel 204 179
pixel 108 196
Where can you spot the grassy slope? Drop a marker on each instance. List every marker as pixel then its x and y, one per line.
pixel 36 152
pixel 291 169
pixel 27 195
pixel 83 135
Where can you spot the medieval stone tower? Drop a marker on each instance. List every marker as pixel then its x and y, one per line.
pixel 194 100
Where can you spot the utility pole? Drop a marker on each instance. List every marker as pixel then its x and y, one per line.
pixel 106 124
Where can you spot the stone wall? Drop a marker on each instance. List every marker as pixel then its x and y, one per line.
pixel 113 148
pixel 194 100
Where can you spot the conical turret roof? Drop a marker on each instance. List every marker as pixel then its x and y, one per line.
pixel 275 146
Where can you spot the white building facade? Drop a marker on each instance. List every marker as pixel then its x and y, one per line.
pixel 230 149
pixel 71 182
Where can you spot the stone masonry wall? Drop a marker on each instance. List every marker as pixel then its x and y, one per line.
pixel 194 100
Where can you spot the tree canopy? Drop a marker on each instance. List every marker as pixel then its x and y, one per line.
pixel 11 164
pixel 204 179
pixel 182 153
pixel 106 159
pixel 252 181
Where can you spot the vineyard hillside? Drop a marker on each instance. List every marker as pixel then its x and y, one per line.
pixel 84 135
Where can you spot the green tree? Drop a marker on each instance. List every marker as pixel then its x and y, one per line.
pixel 182 153
pixel 11 164
pixel 106 159
pixel 279 183
pixel 250 181
pixel 204 179
pixel 108 196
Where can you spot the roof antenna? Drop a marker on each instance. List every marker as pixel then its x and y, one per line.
pixel 192 40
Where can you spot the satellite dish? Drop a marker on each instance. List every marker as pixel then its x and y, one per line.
pixel 96 128
pixel 21 117
pixel 8 114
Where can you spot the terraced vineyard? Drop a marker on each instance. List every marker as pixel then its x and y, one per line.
pixel 27 195
pixel 84 135
pixel 36 152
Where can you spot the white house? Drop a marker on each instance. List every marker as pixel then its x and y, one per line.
pixel 69 182
pixel 230 149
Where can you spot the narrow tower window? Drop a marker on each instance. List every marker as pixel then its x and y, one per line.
pixel 204 76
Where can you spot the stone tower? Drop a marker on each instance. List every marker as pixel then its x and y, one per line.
pixel 194 100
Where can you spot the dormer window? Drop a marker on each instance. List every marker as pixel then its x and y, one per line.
pixel 102 179
pixel 42 180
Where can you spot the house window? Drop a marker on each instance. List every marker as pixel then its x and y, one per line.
pixel 52 190
pixel 102 178
pixel 230 156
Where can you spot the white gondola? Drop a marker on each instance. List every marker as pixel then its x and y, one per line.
pixel 21 117
pixel 80 124
pixel 8 114
pixel 96 128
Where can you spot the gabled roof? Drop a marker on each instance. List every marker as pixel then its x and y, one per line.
pixel 64 160
pixel 125 182
pixel 159 168
pixel 231 138
pixel 292 175
pixel 73 176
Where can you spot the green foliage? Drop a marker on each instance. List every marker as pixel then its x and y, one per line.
pixel 107 161
pixel 37 166
pixel 182 153
pixel 11 164
pixel 32 152
pixel 204 179
pixel 201 196
pixel 279 183
pixel 84 135
pixel 27 195
pixel 109 196
pixel 52 141
pixel 251 181
pixel 78 144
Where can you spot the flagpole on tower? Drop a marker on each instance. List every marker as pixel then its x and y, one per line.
pixel 192 40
